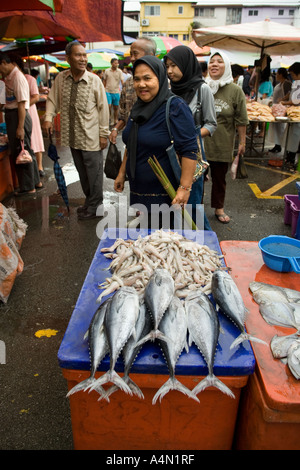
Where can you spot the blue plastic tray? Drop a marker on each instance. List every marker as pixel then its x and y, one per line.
pixel 74 354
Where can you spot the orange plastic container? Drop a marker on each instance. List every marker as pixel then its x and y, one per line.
pixel 6 182
pixel 269 413
pixel 177 423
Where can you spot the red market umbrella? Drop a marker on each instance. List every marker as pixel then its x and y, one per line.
pixel 52 5
pixel 164 44
pixel 22 26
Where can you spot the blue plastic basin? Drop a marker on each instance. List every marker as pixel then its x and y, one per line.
pixel 281 253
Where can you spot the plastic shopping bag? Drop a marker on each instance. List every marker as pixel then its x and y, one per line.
pixel 113 162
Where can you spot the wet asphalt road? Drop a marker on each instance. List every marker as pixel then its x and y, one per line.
pixel 57 252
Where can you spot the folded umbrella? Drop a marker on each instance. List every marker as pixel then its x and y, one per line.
pixel 59 176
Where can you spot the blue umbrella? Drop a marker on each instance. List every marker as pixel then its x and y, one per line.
pixel 59 176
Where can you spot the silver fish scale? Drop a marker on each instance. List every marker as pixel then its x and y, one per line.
pixel 120 320
pixel 174 326
pixel 203 326
pixel 158 294
pixel 228 298
pixel 265 293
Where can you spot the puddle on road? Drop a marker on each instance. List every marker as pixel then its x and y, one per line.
pixel 50 211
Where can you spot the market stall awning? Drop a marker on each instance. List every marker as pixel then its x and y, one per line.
pixel 54 5
pixel 92 20
pixel 199 51
pixel 267 37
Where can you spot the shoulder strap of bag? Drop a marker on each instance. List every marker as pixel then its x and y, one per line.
pixel 168 117
pixel 198 114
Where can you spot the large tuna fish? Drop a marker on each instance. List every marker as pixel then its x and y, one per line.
pixel 157 296
pixel 229 300
pixel 98 346
pixel 204 329
pixel 119 324
pixel 131 350
pixel 174 326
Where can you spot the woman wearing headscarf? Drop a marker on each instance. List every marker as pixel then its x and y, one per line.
pixel 230 105
pixel 186 80
pixel 146 134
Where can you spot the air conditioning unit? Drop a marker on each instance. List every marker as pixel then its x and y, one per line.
pixel 145 22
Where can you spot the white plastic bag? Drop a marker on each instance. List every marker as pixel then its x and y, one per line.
pixel 12 232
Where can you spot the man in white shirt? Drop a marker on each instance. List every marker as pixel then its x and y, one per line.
pixel 19 124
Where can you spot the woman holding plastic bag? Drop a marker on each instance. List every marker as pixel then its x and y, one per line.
pixel 230 105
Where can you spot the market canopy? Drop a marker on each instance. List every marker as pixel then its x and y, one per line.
pixel 54 5
pixel 267 37
pixel 92 20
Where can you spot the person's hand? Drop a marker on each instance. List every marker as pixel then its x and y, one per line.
pixel 182 197
pixel 113 136
pixel 47 127
pixel 20 133
pixel 103 143
pixel 241 149
pixel 119 183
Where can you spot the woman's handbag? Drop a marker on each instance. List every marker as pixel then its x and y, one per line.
pixel 174 159
pixel 24 156
pixel 113 162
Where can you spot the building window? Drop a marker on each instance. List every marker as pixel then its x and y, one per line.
pixel 233 15
pixel 153 33
pixel 175 36
pixel 152 10
pixel 185 37
pixel 253 13
pixel 180 10
pixel 205 12
pixel 291 12
pixel 280 12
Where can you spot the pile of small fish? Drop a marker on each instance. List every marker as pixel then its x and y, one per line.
pixel 280 306
pixel 126 320
pixel 134 261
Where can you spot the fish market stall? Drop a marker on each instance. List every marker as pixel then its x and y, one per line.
pixel 269 414
pixel 164 403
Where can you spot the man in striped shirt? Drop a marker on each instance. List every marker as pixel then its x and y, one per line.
pixel 80 98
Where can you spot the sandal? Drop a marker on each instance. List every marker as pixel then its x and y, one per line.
pixel 223 216
pixel 25 193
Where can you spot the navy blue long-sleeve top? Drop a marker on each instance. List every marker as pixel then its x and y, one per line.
pixel 153 139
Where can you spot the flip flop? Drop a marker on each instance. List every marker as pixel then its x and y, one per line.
pixel 25 193
pixel 222 216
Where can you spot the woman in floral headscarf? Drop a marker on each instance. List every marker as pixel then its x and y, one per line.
pixel 230 105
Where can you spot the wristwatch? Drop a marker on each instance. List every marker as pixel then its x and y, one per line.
pixel 114 129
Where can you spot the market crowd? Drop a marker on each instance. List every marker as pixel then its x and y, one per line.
pixel 191 117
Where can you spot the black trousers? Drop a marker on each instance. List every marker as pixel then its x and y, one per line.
pixel 218 172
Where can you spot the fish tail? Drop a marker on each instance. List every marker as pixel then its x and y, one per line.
pixel 110 376
pixel 152 336
pixel 133 387
pixel 212 381
pixel 173 384
pixel 84 385
pixel 246 337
